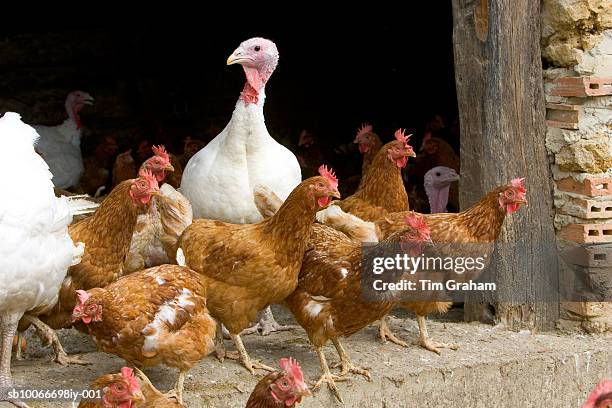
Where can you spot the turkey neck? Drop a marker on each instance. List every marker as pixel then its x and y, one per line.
pixel 383 185
pixel 485 218
pixel 438 198
pixel 292 224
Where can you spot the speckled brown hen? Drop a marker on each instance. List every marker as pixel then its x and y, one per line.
pixel 107 235
pixel 247 267
pixel 280 389
pixel 382 189
pixel 330 302
pixel 151 317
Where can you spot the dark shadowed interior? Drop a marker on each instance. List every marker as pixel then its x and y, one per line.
pixel 164 83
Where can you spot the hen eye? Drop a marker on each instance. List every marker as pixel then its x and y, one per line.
pixel 257 48
pixel 285 384
pixel 119 387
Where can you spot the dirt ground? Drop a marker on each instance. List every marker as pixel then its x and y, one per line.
pixel 491 367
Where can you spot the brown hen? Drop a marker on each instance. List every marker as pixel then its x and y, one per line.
pixel 247 267
pixel 155 316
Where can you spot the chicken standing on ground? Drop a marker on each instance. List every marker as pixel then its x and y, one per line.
pixel 251 266
pixel 107 235
pixel 60 145
pixel 329 301
pixel 382 189
pixel 280 389
pixel 219 179
pixel 36 249
pixel 479 224
pixel 155 316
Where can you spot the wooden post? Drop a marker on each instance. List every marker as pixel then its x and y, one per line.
pixel 500 93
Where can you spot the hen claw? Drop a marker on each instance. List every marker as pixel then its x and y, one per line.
pixel 64 359
pixel 435 346
pixel 348 367
pixel 386 334
pixel 330 380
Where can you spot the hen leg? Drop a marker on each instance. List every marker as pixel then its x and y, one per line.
pixel 244 357
pixel 346 363
pixel 8 327
pixel 327 377
pixel 386 334
pixel 266 324
pixel 47 333
pixel 426 342
pixel 19 345
pixel 177 391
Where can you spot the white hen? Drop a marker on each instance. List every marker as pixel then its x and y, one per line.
pixel 36 249
pixel 60 145
pixel 219 179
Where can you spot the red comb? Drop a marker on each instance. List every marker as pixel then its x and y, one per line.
pixel 128 374
pixel 364 129
pixel 291 366
pixel 82 295
pixel 519 183
pixel 417 221
pixel 160 151
pixel 329 175
pixel 400 136
pixel 147 175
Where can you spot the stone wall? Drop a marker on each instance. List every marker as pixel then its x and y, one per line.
pixel 577 52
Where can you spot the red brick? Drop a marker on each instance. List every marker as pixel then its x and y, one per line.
pixel 563 116
pixel 592 186
pixel 582 86
pixel 587 233
pixel 587 209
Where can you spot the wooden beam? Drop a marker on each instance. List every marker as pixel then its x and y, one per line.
pixel 502 113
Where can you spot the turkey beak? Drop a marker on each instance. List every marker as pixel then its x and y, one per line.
pixel 237 57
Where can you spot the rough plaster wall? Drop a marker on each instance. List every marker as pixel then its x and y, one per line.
pixel 577 41
pixel 571 28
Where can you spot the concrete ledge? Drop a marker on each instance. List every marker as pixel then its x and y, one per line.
pixel 492 368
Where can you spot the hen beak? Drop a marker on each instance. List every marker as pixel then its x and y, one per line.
pixel 237 58
pixel 335 194
pixel 138 396
pixel 521 202
pixel 89 100
pixel 156 193
pixel 303 392
pixel 169 167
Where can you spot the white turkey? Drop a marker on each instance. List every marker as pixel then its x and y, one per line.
pixel 60 145
pixel 36 250
pixel 219 179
